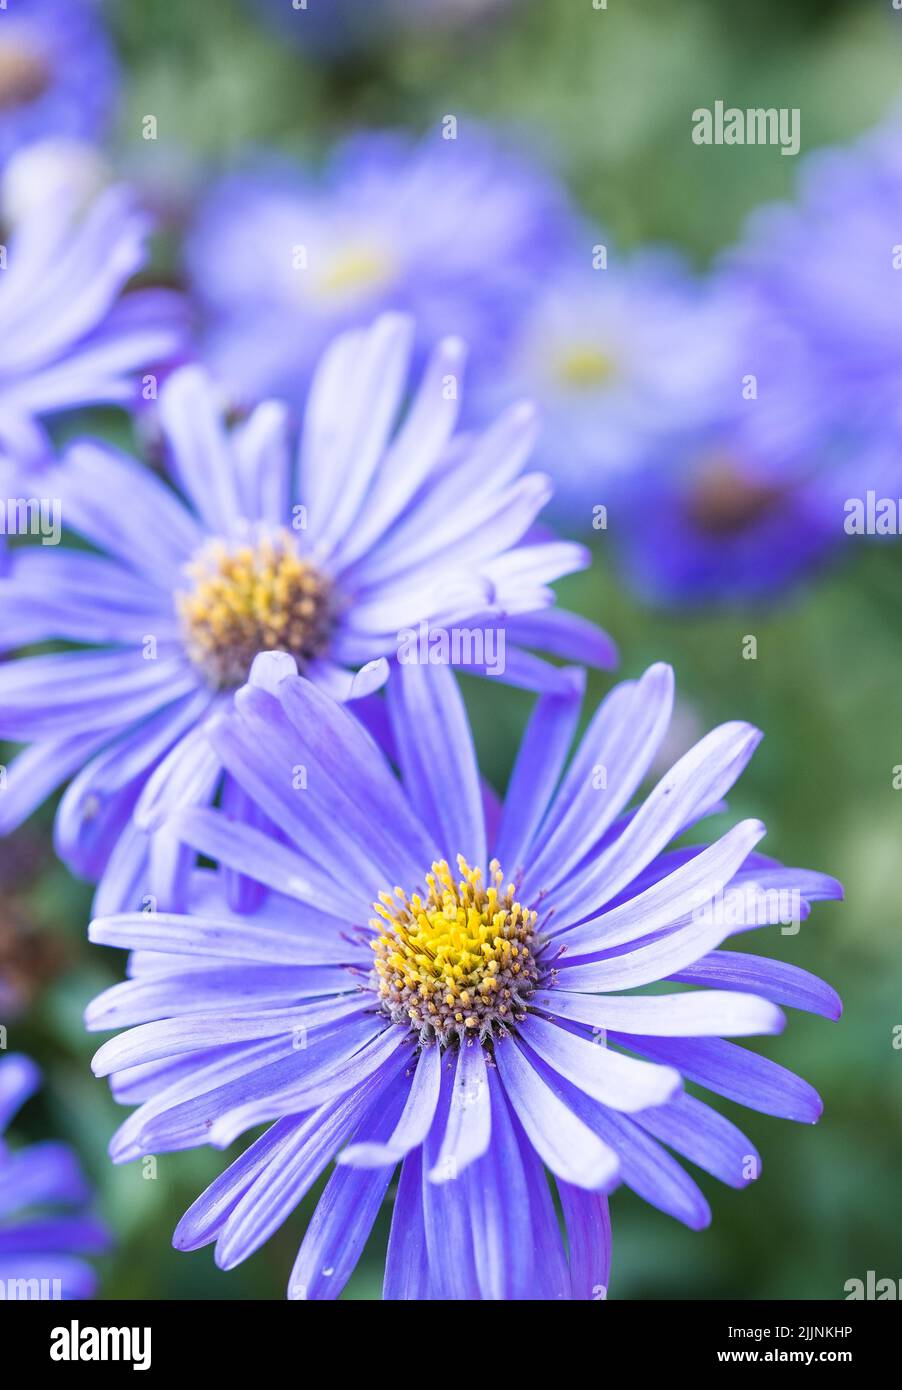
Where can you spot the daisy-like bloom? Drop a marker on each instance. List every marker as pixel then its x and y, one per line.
pixel 454 231
pixel 613 351
pixel 42 1252
pixel 58 74
pixel 800 420
pixel 727 525
pixel 734 506
pixel 748 497
pixel 69 337
pixel 830 263
pixel 439 982
pixel 389 530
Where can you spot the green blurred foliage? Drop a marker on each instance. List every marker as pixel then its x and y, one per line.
pixel 606 97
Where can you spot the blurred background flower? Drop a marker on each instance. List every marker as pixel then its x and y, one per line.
pixel 46 1249
pixel 69 336
pixel 454 229
pixel 58 73
pixel 744 495
pixel 829 263
pixel 618 352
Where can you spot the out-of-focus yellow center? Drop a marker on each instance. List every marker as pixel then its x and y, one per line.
pixel 252 598
pixel 24 75
pixel 584 366
pixel 458 962
pixel 355 267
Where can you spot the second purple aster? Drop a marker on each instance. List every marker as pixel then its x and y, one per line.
pixel 382 531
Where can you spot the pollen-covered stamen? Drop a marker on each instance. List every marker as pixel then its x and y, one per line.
pixel 248 598
pixel 24 75
pixel 459 963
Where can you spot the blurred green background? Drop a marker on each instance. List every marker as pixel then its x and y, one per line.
pixel 606 97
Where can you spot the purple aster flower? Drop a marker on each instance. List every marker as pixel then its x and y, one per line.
pixel 714 533
pixel 830 264
pixel 390 533
pixel 439 982
pixel 642 380
pixel 42 1253
pixel 57 72
pixel 749 496
pixel 801 418
pixel 739 502
pixel 454 231
pixel 613 356
pixel 68 335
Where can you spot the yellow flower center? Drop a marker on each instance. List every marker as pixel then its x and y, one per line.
pixel 24 76
pixel 458 962
pixel 585 366
pixel 253 598
pixel 354 268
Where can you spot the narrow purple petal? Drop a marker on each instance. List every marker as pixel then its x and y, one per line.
pixel 407 1262
pixel 537 770
pixel 661 957
pixel 437 758
pixel 588 1223
pixel 275 1193
pixel 702 776
pixel 561 1139
pixel 413 1125
pixel 613 757
pixel 345 1213
pixel 736 1073
pixel 446 1216
pixel 469 1125
pixel 771 979
pixel 693 888
pixel 710 1012
pixel 506 1246
pixel 568 636
pixel 607 1076
pixel 703 1136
